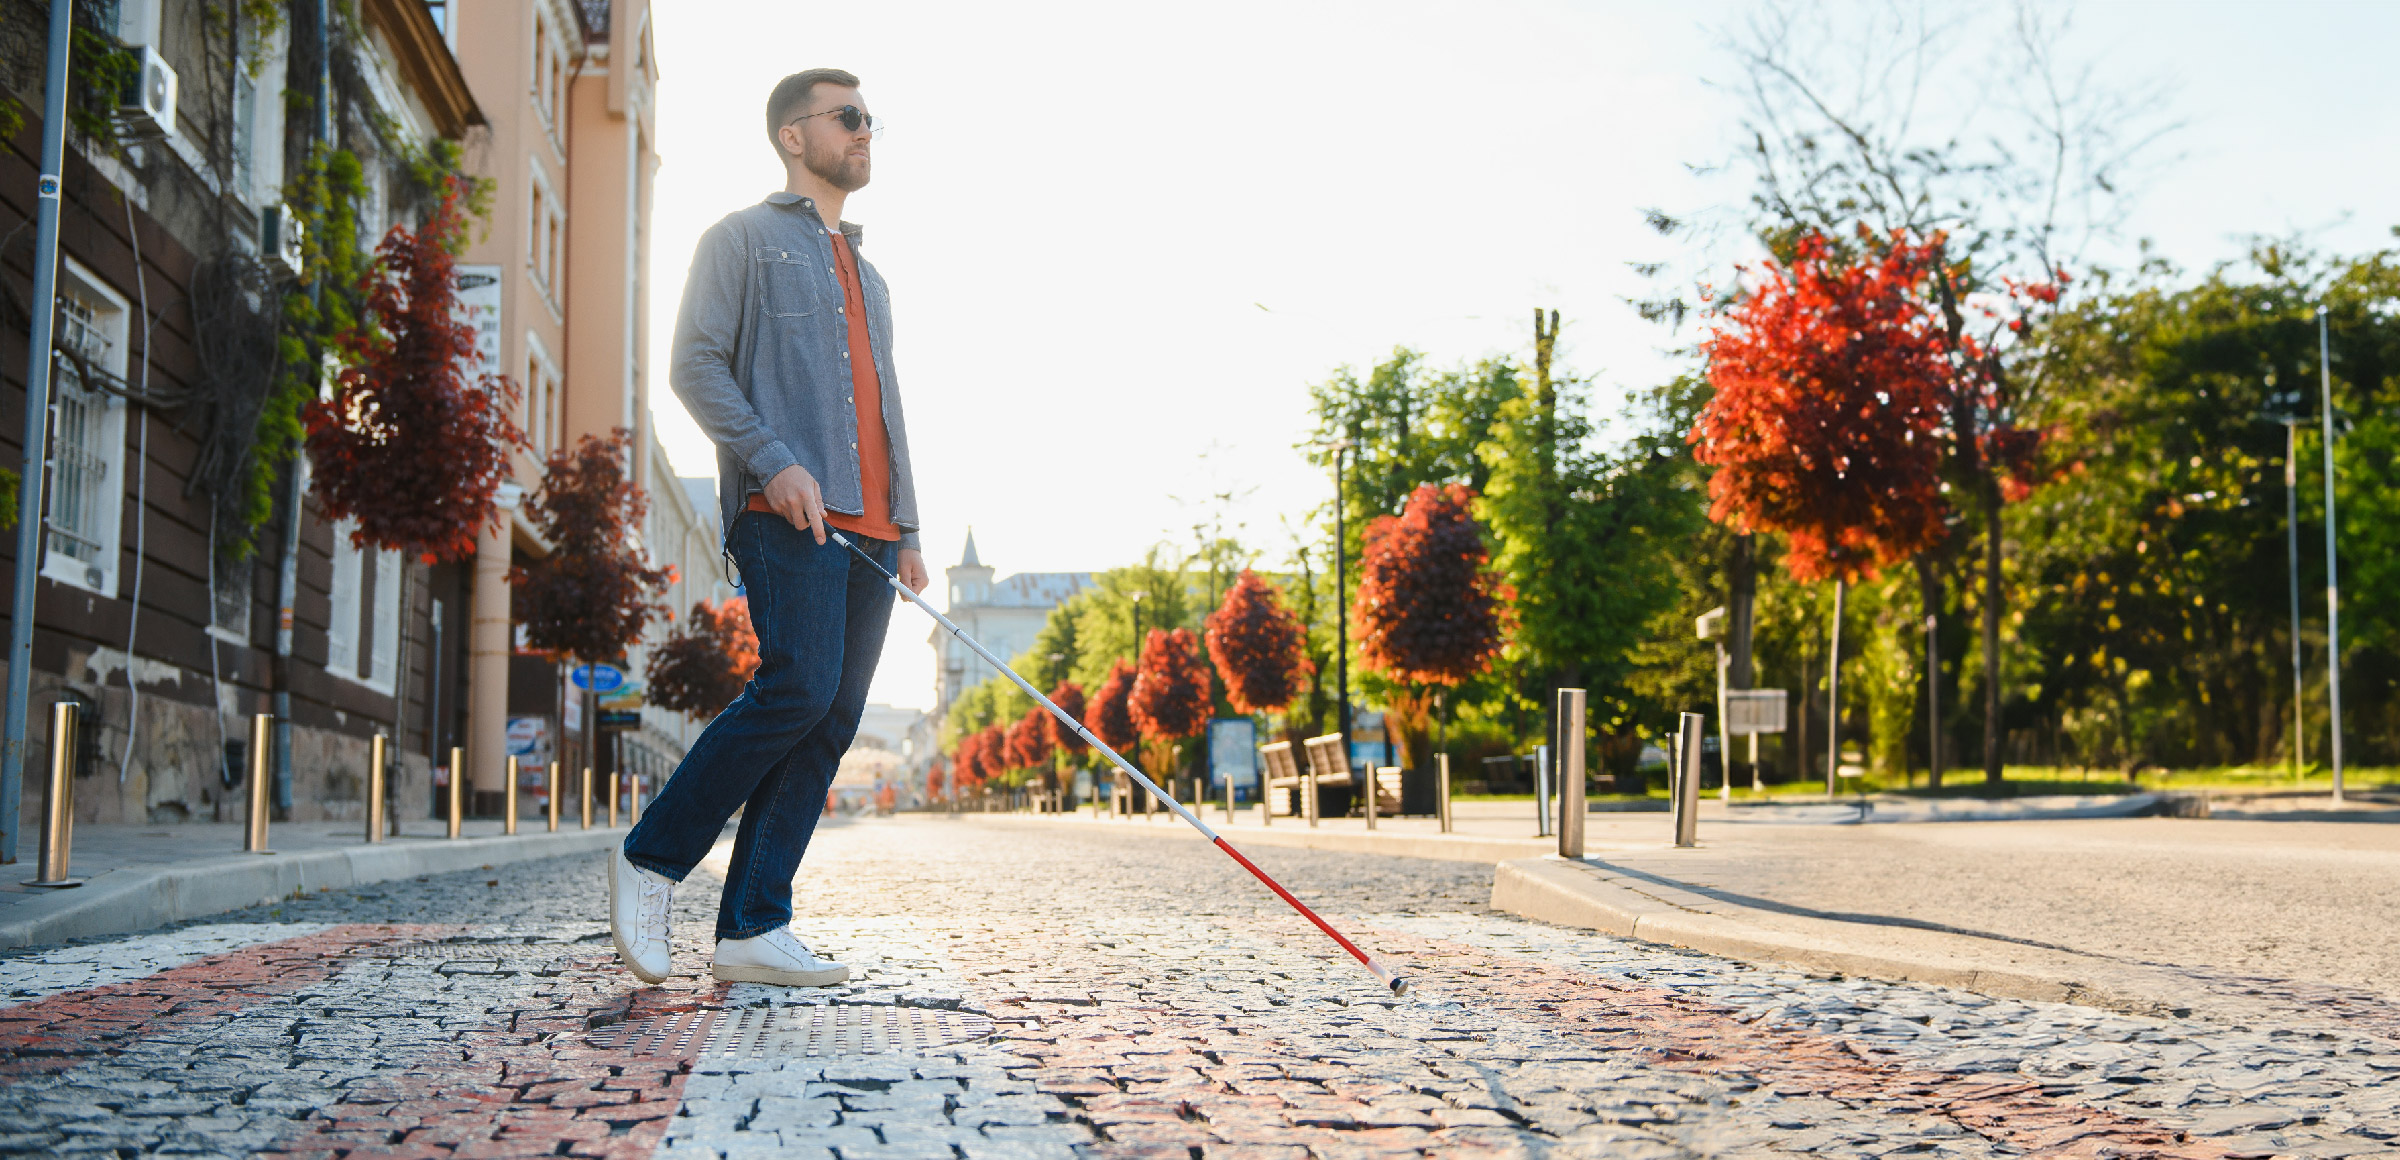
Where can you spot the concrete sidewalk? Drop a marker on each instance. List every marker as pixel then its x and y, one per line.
pixel 138 877
pixel 2143 915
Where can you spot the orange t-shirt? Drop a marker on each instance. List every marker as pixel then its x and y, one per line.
pixel 866 394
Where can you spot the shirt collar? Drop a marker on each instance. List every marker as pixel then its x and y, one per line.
pixel 850 230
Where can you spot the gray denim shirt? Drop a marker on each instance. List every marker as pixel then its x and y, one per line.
pixel 762 359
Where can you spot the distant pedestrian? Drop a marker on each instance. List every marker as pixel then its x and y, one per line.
pixel 783 355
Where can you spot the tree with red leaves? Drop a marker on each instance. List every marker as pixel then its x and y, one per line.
pixel 991 754
pixel 592 596
pixel 702 666
pixel 1111 718
pixel 1430 611
pixel 1848 389
pixel 407 445
pixel 1170 696
pixel 1069 697
pixel 1830 378
pixel 972 761
pixel 1029 740
pixel 1259 646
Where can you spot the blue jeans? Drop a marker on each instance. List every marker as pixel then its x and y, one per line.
pixel 820 613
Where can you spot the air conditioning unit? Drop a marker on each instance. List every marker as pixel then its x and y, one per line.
pixel 147 108
pixel 279 239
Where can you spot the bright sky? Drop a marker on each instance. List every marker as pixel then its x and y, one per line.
pixel 1123 238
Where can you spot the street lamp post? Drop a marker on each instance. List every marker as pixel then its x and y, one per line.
pixel 2286 408
pixel 1341 593
pixel 2333 587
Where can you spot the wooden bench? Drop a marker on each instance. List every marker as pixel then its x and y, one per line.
pixel 1282 779
pixel 1328 768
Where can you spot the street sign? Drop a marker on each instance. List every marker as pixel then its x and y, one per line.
pixel 598 678
pixel 1754 711
pixel 625 720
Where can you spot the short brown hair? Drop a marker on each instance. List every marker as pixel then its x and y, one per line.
pixel 791 94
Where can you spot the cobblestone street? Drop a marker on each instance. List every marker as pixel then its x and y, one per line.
pixel 1144 998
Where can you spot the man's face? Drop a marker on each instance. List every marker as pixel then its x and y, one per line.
pixel 836 154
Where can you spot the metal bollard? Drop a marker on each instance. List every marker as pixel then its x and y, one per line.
pixel 1374 790
pixel 58 799
pixel 1541 791
pixel 1308 787
pixel 1570 773
pixel 586 791
pixel 458 781
pixel 633 799
pixel 508 799
pixel 551 791
pixel 1229 799
pixel 262 765
pixel 379 751
pixel 1687 780
pixel 1441 790
pixel 612 799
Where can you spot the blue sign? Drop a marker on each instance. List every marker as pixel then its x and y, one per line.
pixel 598 678
pixel 1233 752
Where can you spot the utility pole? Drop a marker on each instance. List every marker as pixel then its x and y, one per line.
pixel 2286 409
pixel 1341 595
pixel 37 425
pixel 2333 586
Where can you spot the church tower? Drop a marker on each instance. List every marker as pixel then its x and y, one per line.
pixel 970 579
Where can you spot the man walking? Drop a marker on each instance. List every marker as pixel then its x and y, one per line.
pixel 783 355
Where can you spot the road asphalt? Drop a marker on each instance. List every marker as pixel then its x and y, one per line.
pixel 1056 991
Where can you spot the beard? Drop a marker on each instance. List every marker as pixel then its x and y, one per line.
pixel 837 168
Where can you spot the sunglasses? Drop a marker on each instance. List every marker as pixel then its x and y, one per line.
pixel 852 117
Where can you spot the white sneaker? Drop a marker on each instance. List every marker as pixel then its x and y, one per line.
pixel 775 957
pixel 638 904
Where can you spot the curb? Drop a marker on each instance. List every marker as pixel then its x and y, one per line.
pixel 1596 896
pixel 120 902
pixel 1435 847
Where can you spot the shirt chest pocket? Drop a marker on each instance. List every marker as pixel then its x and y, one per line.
pixel 789 284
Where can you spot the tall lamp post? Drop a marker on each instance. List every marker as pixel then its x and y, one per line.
pixel 2289 408
pixel 1341 591
pixel 37 419
pixel 2333 587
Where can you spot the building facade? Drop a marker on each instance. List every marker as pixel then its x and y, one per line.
pixel 1004 614
pixel 159 601
pixel 158 608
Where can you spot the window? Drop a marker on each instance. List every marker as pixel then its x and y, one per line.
pixel 87 434
pixel 545 225
pixel 543 423
pixel 549 72
pixel 362 637
pixel 245 133
pixel 229 610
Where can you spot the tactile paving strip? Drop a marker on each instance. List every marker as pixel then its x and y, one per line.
pixel 817 1032
pixel 670 1034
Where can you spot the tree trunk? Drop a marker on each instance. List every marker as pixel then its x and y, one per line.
pixel 1930 597
pixel 1741 612
pixel 1833 689
pixel 1992 597
pixel 399 745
